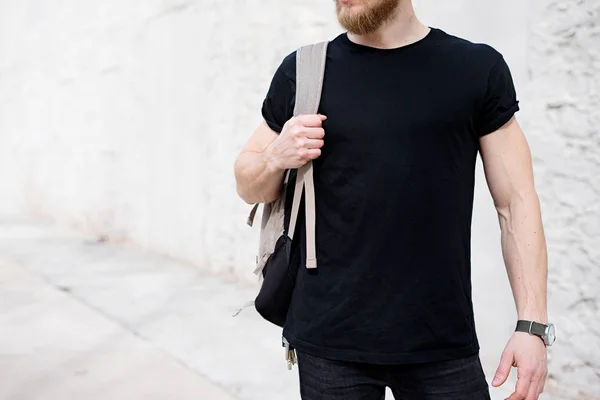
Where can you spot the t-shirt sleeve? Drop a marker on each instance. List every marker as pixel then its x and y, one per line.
pixel 278 105
pixel 500 100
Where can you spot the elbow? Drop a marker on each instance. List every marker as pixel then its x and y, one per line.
pixel 245 195
pixel 241 189
pixel 256 196
pixel 251 193
pixel 251 190
pixel 526 199
pixel 502 208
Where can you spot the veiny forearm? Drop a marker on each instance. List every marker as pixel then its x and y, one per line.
pixel 525 254
pixel 258 181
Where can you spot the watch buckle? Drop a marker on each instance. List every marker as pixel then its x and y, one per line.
pixel 530 326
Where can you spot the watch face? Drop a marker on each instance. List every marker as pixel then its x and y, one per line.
pixel 550 335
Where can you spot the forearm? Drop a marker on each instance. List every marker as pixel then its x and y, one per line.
pixel 258 179
pixel 525 254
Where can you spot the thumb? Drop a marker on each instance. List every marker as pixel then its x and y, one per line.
pixel 506 362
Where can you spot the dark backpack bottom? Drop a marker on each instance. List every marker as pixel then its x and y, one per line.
pixel 279 273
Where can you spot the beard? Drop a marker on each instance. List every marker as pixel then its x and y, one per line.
pixel 367 20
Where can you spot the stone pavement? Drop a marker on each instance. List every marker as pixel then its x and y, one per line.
pixel 81 319
pixel 54 347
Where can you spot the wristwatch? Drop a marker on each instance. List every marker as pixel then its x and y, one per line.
pixel 545 332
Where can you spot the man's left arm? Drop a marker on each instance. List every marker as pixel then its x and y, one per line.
pixel 509 174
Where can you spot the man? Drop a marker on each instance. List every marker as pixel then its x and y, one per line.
pixel 405 110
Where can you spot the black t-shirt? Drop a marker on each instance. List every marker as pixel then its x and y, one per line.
pixel 394 197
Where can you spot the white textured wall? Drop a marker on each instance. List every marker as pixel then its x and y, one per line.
pixel 564 130
pixel 123 118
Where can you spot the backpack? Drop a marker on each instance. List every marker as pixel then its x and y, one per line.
pixel 274 265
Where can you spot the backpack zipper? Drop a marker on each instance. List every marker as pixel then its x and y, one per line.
pixel 290 353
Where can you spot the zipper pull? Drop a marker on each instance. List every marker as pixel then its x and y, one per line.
pixel 293 356
pixel 290 357
pixel 286 345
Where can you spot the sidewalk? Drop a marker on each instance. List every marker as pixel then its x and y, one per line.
pixel 82 320
pixel 86 320
pixel 54 347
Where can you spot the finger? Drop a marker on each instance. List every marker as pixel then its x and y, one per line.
pixel 309 154
pixel 309 120
pixel 534 385
pixel 313 153
pixel 506 362
pixel 522 388
pixel 314 144
pixel 314 133
pixel 542 383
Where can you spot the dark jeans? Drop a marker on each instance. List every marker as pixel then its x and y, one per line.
pixel 322 379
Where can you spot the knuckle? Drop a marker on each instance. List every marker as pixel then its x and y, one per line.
pixel 541 374
pixel 289 124
pixel 296 130
pixel 527 371
pixel 300 142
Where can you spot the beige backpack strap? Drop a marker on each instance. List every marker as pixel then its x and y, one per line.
pixel 310 71
pixel 252 215
pixel 311 217
pixel 296 202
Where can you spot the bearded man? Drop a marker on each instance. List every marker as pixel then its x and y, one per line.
pixel 405 109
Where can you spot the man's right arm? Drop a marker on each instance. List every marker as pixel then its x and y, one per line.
pixel 260 166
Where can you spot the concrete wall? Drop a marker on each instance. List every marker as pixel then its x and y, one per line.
pixel 563 92
pixel 123 118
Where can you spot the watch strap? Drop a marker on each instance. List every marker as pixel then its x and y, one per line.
pixel 531 327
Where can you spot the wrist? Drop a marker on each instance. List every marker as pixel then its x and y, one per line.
pixel 539 317
pixel 544 331
pixel 271 162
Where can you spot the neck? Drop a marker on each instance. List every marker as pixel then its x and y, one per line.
pixel 402 29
